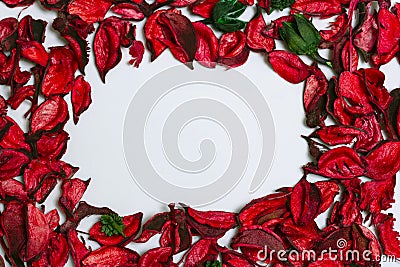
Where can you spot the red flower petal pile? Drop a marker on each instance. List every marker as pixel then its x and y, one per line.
pixel 363 141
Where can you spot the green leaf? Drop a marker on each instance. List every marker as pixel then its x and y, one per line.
pixel 307 31
pixel 280 4
pixel 112 224
pixel 225 14
pixel 229 24
pixel 289 34
pixel 213 264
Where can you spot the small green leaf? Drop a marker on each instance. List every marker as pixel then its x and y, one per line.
pixel 213 264
pixel 307 31
pixel 280 4
pixel 229 25
pixel 289 34
pixel 112 224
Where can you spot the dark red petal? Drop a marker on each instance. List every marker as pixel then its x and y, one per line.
pixel 72 192
pixel 23 93
pixel 12 163
pixel 152 227
pixel 136 51
pixel 339 163
pixel 305 202
pixel 207 45
pixel 258 238
pixel 78 249
pixel 154 34
pixel 14 138
pixel 80 97
pixel 38 232
pixel 88 10
pixel 106 48
pixel 179 36
pixel 328 191
pixel 14 189
pixel 377 195
pixel 58 250
pixel 50 114
pixel 233 51
pixel 13 223
pixel 52 145
pixel 289 66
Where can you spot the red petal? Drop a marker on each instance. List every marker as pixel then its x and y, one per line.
pixel 289 66
pixel 72 192
pixel 106 49
pixel 305 202
pixel 322 8
pixel 255 39
pixel 390 239
pixel 34 51
pixel 128 11
pixel 112 256
pixel 384 161
pixel 233 51
pixel 207 45
pixel 50 114
pixel 203 251
pixel 77 248
pixel 156 257
pixel 80 97
pixel 136 51
pixel 132 226
pixel 90 11
pixel 11 163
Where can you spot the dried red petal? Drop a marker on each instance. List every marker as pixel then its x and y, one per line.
pixel 339 163
pixel 156 257
pixel 132 226
pixel 374 80
pixel 179 35
pixel 233 51
pixel 337 29
pixel 14 189
pixel 257 209
pixel 367 36
pixel 255 38
pixel 257 238
pixel 289 66
pixel 13 223
pixel 328 191
pixel 77 248
pixel 88 10
pixel 12 163
pixel 128 11
pixel 8 28
pixel 136 51
pixel 202 251
pixel 106 49
pixel 34 51
pixel 301 237
pixel 60 71
pixel 51 114
pixel 72 192
pixel 17 3
pixel 352 88
pixel 234 259
pixel 389 34
pixel 14 137
pixel 152 227
pixel 38 232
pixel 349 57
pixel 211 224
pixel 314 98
pixel 337 135
pixel 384 161
pixel 58 251
pixel 112 256
pixel 371 134
pixel 52 145
pixel 23 93
pixel 321 8
pixel 305 202
pixel 154 34
pixel 204 8
pixel 207 45
pixel 389 237
pixel 80 97
pixel 377 195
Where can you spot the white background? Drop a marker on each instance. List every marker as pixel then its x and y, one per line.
pixel 96 142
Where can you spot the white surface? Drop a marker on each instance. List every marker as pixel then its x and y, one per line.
pixel 96 142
